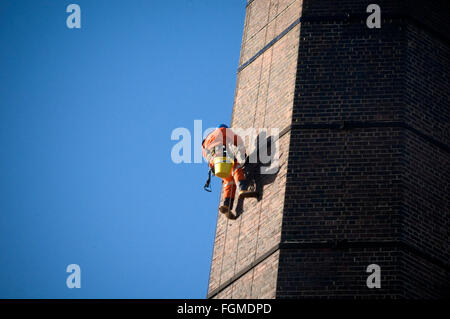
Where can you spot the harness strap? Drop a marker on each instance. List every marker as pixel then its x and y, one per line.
pixel 207 186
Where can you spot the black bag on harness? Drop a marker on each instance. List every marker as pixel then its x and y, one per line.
pixel 207 186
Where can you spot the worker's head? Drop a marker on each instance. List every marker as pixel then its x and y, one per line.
pixel 222 125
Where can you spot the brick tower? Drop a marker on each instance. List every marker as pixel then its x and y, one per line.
pixel 364 153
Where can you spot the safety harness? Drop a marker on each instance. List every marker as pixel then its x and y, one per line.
pixel 207 186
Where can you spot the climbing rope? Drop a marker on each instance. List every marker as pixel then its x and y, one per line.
pixel 253 125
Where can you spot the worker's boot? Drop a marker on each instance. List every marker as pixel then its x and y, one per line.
pixel 226 208
pixel 243 192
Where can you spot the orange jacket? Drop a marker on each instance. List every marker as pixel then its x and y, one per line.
pixel 218 138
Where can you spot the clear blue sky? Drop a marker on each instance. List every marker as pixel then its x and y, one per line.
pixel 86 116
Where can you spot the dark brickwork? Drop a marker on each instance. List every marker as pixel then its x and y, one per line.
pixel 324 273
pixel 364 175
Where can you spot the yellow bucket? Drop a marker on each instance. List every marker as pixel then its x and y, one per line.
pixel 223 166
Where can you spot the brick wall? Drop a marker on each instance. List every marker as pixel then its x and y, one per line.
pixel 325 273
pixel 263 99
pixel 371 184
pixel 364 172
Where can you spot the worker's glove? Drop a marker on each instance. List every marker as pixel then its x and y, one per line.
pixel 209 155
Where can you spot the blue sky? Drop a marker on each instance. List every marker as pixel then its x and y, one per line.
pixel 86 116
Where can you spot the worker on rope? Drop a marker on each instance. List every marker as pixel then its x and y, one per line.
pixel 224 151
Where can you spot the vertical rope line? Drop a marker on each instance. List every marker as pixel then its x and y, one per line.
pixel 245 35
pixel 223 251
pixel 268 84
pixel 244 41
pixel 260 204
pixel 253 124
pixel 259 86
pixel 237 254
pixel 243 46
pixel 264 123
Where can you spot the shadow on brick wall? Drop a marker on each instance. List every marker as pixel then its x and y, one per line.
pixel 256 179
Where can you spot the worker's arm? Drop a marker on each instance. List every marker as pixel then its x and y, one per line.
pixel 208 154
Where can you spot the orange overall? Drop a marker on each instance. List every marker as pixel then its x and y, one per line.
pixel 210 146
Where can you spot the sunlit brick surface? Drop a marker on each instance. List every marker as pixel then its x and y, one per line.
pixel 381 187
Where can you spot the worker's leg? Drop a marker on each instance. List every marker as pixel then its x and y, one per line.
pixel 229 187
pixel 241 180
pixel 229 192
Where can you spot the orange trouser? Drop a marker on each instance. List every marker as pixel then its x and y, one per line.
pixel 237 176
